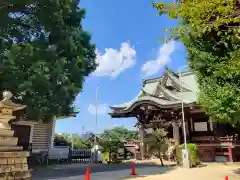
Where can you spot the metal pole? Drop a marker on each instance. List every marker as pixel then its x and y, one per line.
pixel 96 123
pixel 183 116
pixel 186 156
pixel 72 140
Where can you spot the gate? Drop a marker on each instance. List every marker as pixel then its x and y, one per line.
pixel 80 155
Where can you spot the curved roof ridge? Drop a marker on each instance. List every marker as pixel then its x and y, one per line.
pixel 153 100
pixel 127 104
pixel 178 82
pixel 152 80
pixel 169 93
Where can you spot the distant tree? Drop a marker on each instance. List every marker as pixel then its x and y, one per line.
pixel 157 143
pixel 113 139
pixel 120 133
pixel 61 140
pixel 110 146
pixel 67 139
pixel 45 55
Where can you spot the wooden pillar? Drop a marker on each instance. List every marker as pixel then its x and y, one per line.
pixel 176 137
pixel 141 132
pixel 186 128
pixel 176 134
pixel 230 156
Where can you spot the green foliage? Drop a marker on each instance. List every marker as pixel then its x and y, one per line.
pixel 44 54
pixel 67 139
pixel 61 140
pixel 209 29
pixel 158 143
pixel 193 154
pixel 105 156
pixel 113 139
pixel 120 133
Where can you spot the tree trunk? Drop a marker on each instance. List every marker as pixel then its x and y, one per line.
pixel 160 157
pixel 110 155
pixel 161 161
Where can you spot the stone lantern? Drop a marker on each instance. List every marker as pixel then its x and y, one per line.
pixel 13 161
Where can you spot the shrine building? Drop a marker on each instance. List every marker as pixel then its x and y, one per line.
pixel 163 101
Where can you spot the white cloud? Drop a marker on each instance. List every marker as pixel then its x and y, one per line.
pixel 101 109
pixel 113 61
pixel 151 67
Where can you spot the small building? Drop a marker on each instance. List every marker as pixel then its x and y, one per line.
pixel 35 136
pixel 164 101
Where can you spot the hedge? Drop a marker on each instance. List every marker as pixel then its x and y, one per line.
pixel 193 154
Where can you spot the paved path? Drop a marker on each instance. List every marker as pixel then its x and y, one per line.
pixel 98 171
pixel 145 172
pixel 210 172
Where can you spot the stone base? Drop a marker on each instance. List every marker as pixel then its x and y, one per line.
pixel 6 132
pixel 25 175
pixel 14 154
pixel 13 165
pixel 8 141
pixel 10 148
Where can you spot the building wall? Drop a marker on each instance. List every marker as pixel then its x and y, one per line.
pixel 41 135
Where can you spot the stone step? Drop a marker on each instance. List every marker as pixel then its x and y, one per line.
pixel 8 141
pixel 21 154
pixel 10 148
pixel 6 132
pixel 21 175
pixel 15 154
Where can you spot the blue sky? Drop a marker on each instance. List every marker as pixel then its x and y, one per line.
pixel 136 26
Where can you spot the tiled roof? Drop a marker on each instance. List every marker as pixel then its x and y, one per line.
pixel 164 92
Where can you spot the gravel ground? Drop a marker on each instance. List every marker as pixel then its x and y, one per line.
pixel 145 171
pixel 98 171
pixel 209 172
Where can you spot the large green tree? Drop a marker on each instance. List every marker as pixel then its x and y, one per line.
pixel 44 54
pixel 210 32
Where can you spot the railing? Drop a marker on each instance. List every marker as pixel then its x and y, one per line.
pixel 80 155
pixel 59 154
pixel 218 141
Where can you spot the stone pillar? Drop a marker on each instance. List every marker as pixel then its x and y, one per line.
pixel 142 149
pixel 13 161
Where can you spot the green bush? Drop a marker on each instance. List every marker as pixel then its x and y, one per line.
pixel 193 154
pixel 105 156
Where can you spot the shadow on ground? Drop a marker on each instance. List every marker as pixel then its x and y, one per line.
pixel 237 171
pixel 115 170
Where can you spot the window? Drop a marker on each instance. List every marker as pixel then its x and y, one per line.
pixel 200 126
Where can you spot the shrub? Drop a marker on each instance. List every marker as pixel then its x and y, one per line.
pixel 193 154
pixel 105 156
